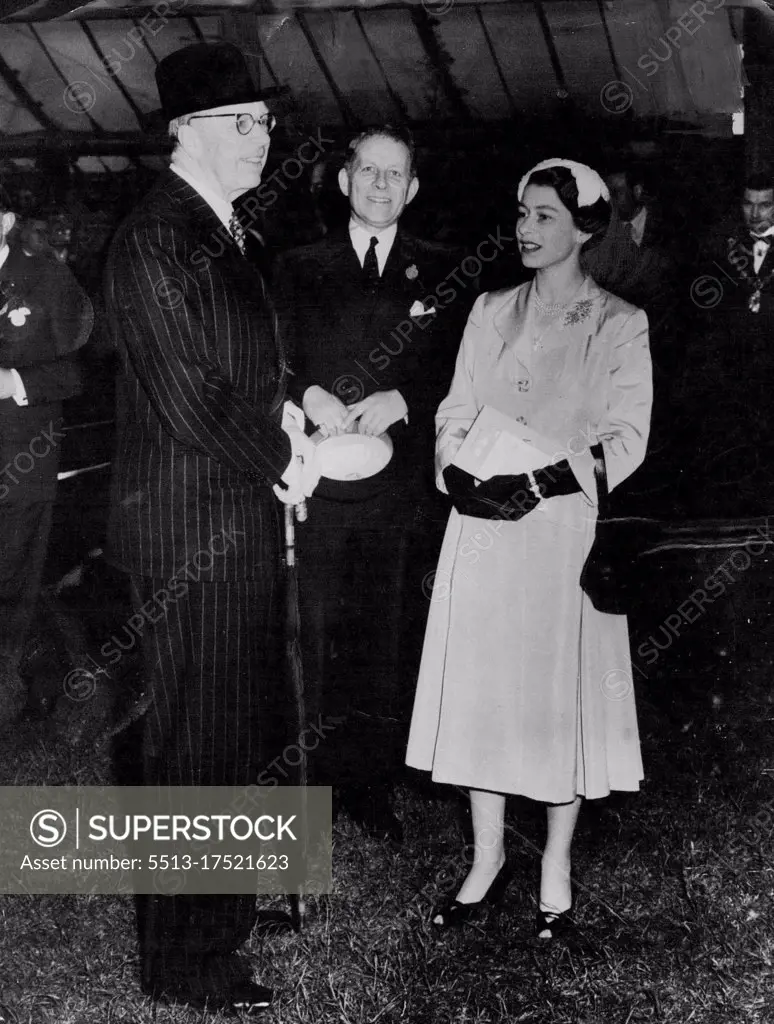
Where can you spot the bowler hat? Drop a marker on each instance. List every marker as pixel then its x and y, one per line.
pixel 206 75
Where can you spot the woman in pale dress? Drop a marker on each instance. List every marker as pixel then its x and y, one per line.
pixel 524 686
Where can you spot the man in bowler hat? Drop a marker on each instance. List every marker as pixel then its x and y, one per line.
pixel 200 447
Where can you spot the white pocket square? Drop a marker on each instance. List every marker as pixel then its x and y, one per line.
pixel 419 310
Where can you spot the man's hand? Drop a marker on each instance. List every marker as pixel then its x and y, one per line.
pixel 377 412
pixel 7 384
pixel 327 412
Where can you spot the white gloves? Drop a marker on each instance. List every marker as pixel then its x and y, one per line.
pixel 302 474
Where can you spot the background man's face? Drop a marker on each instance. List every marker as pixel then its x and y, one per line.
pixel 378 184
pixel 625 199
pixel 34 236
pixel 758 209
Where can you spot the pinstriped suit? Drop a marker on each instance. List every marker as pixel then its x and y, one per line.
pixel 194 520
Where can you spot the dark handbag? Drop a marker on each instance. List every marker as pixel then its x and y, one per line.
pixel 609 576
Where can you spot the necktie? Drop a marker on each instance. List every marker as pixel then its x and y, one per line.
pixel 370 264
pixel 237 231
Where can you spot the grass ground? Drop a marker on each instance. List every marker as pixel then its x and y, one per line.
pixel 674 900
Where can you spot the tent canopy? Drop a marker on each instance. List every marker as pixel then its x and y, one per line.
pixel 85 82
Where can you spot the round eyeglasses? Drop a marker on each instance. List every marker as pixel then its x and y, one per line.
pixel 245 122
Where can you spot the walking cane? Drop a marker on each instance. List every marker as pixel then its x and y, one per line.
pixel 296 672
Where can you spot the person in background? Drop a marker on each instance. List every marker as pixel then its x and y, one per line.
pixel 516 692
pixel 33 234
pixel 635 259
pixel 728 371
pixel 371 342
pixel 45 318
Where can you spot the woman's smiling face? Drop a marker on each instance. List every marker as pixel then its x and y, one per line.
pixel 545 229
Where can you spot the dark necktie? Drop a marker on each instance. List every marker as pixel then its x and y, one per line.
pixel 370 264
pixel 238 232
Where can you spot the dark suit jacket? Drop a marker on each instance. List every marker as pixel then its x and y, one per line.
pixel 353 341
pixel 199 395
pixel 41 346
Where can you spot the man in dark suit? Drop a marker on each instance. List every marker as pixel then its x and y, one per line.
pixel 636 259
pixel 44 319
pixel 194 522
pixel 372 349
pixel 729 372
pixel 742 252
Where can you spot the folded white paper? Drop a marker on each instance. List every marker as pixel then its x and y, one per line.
pixel 498 444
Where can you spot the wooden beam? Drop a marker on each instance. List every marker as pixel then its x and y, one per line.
pixel 346 111
pixel 108 66
pixel 495 61
pixel 45 10
pixel 439 61
pixel 62 77
pixel 617 69
pixel 399 104
pixel 11 79
pixel 553 54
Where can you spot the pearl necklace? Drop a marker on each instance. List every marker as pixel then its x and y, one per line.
pixel 553 308
pixel 550 309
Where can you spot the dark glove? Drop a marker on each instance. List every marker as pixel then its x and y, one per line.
pixel 556 479
pixel 508 497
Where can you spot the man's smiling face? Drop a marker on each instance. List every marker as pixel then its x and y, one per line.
pixel 379 183
pixel 230 162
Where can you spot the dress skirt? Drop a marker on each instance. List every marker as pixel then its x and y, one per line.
pixel 524 687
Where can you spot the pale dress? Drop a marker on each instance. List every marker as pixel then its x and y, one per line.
pixel 524 687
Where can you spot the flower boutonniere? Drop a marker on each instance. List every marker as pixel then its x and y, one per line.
pixel 411 272
pixel 577 313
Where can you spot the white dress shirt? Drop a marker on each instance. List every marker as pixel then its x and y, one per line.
pixel 761 246
pixel 20 394
pixel 361 242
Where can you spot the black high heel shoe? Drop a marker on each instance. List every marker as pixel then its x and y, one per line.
pixel 454 914
pixel 555 924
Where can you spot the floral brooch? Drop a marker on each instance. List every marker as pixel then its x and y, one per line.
pixel 578 313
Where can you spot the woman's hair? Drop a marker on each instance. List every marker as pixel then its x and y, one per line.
pixel 593 219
